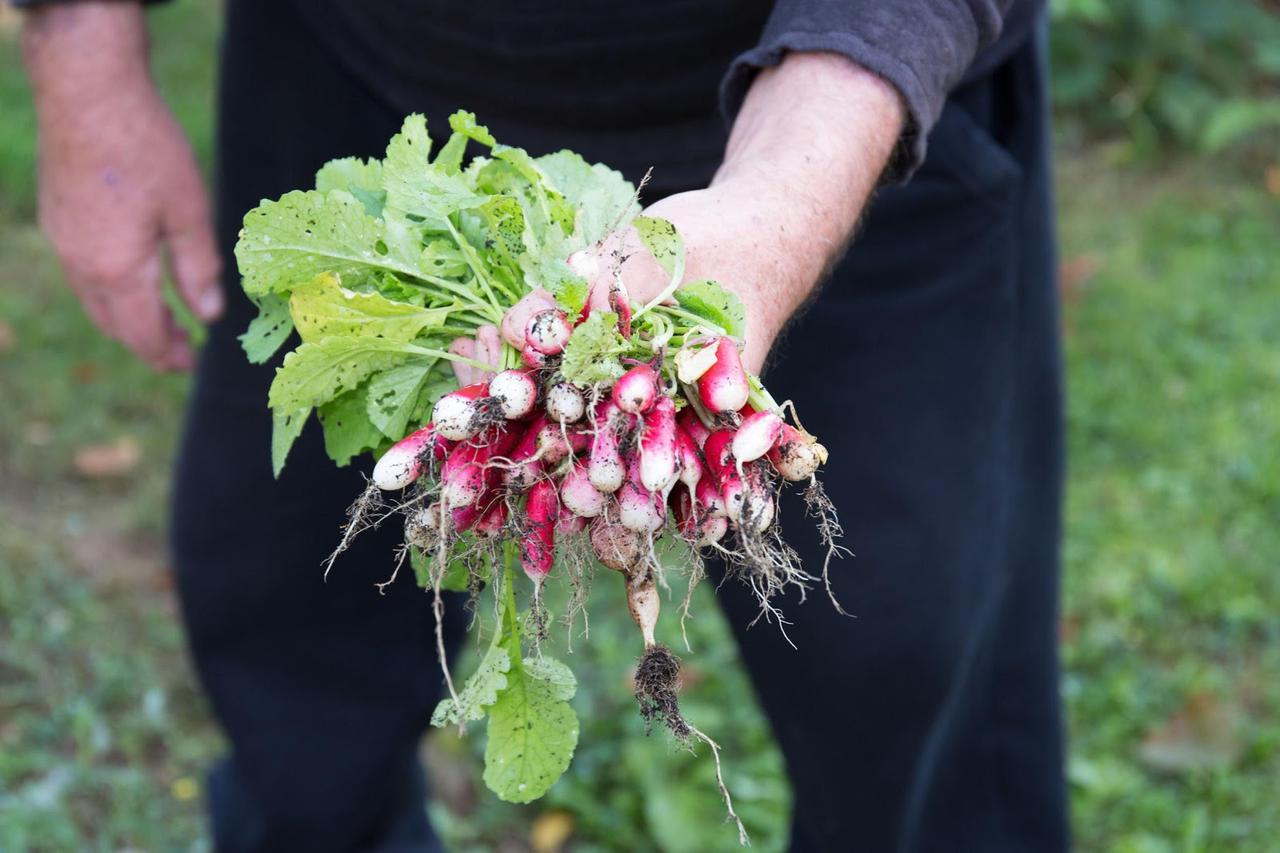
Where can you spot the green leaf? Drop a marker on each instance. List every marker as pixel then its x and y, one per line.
pixel 415 186
pixel 505 232
pixel 603 198
pixel 1234 119
pixel 714 304
pixel 285 429
pixel 556 673
pixel 481 690
pixel 323 308
pixel 319 371
pixel 591 355
pixel 292 240
pixel 347 430
pixel 268 330
pixel 663 241
pixel 532 735
pixel 361 178
pixel 393 397
pixel 456 575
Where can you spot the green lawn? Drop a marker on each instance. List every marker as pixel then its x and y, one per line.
pixel 1173 552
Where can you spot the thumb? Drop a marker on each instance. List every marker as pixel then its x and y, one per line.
pixel 193 255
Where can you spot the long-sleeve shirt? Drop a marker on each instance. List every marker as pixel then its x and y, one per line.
pixel 651 82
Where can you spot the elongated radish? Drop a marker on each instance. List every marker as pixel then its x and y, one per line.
pixel 639 509
pixel 494 520
pixel 693 426
pixel 636 390
pixel 532 359
pixel 644 605
pixel 515 393
pixel 579 495
pixel 733 493
pixel 569 523
pixel 537 546
pixel 688 459
pixel 404 462
pixel 718 452
pixel 724 387
pixel 756 436
pixel 525 465
pixel 756 510
pixel 708 499
pixel 462 477
pixel 461 414
pixel 565 403
pixel 466 517
pixel 684 512
pixel 658 463
pixel 548 331
pixel 713 530
pixel 604 462
pixel 617 547
pixel 797 455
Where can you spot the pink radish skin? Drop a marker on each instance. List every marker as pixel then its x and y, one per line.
pixel 604 463
pixel 547 332
pixel 615 546
pixel 565 403
pixel 516 320
pixel 797 456
pixel 403 463
pixel 525 467
pixel 658 447
pixel 693 426
pixel 493 521
pixel 718 451
pixel 684 512
pixel 552 448
pixel 756 510
pixel 724 387
pixel 688 459
pixel 569 524
pixel 712 531
pixel 733 493
pixel 537 546
pixel 707 495
pixel 532 359
pixel 460 415
pixel 515 393
pixel 462 479
pixel 639 509
pixel 636 390
pixel 579 495
pixel 756 436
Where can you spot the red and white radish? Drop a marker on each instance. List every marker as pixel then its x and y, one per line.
pixel 636 390
pixel 565 403
pixel 604 462
pixel 724 387
pixel 756 436
pixel 404 461
pixel 461 414
pixel 797 455
pixel 548 331
pixel 693 426
pixel 688 459
pixel 617 547
pixel 537 546
pixel 658 462
pixel 515 393
pixel 579 495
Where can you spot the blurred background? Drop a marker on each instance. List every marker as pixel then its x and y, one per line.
pixel 1169 194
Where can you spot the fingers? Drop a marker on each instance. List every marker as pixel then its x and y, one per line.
pixel 140 320
pixel 488 350
pixel 517 317
pixel 193 253
pixel 465 373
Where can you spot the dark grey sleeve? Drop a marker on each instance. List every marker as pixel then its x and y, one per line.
pixel 921 47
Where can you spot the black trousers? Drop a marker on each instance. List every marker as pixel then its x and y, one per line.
pixel 930 368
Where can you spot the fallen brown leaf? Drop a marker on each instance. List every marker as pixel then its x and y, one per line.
pixel 116 459
pixel 1204 734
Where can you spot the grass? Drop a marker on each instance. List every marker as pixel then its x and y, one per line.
pixel 1172 648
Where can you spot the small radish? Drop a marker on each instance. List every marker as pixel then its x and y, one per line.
pixel 693 426
pixel 604 462
pixel 532 359
pixel 707 497
pixel 579 495
pixel 525 464
pixel 658 446
pixel 462 478
pixel 684 512
pixel 569 524
pixel 552 448
pixel 615 546
pixel 757 508
pixel 515 392
pixel 517 317
pixel 713 530
pixel 639 508
pixel 688 459
pixel 718 451
pixel 733 493
pixel 537 546
pixel 756 436
pixel 547 332
pixel 422 528
pixel 565 403
pixel 404 462
pixel 636 390
pixel 797 455
pixel 644 604
pixel 494 520
pixel 460 415
pixel 724 387
pixel 466 517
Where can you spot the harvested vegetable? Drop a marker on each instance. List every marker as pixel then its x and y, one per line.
pixel 442 309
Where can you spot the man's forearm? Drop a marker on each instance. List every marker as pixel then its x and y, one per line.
pixel 69 48
pixel 813 137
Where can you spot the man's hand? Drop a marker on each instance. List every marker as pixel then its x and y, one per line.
pixel 118 182
pixel 807 149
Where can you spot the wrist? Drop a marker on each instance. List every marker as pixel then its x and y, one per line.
pixel 83 52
